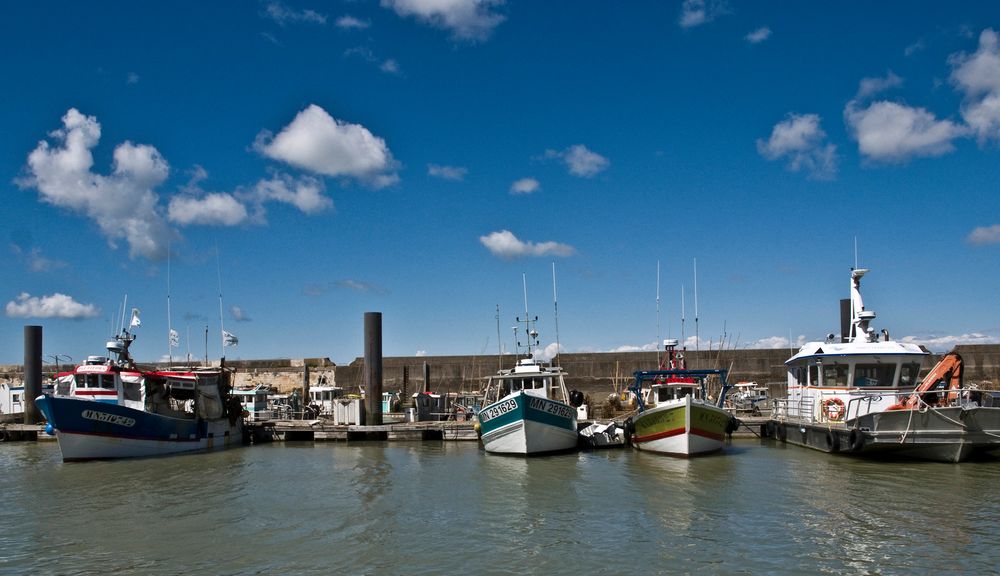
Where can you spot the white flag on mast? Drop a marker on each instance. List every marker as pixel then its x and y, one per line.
pixel 229 339
pixel 175 339
pixel 135 323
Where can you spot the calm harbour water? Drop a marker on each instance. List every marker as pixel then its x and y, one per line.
pixel 437 507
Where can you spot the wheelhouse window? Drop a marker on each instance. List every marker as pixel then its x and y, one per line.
pixel 909 375
pixel 813 375
pixel 866 375
pixel 835 375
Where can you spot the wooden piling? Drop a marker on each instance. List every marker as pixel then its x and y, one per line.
pixel 373 368
pixel 32 373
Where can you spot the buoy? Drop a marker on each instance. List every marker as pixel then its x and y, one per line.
pixel 49 429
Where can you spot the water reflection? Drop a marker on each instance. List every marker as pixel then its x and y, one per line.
pixel 428 508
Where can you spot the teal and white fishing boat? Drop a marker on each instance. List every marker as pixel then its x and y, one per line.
pixel 527 409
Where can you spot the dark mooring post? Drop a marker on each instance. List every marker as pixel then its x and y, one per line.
pixel 427 377
pixel 373 368
pixel 32 372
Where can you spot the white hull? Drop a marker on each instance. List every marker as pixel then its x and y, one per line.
pixel 527 437
pixel 75 447
pixel 685 444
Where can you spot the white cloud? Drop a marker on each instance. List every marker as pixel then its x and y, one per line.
pixel 54 306
pixel 758 35
pixel 283 14
pixel 389 66
pixel 870 86
pixel 650 347
pixel 985 235
pixel 580 161
pixel 456 173
pixel 525 186
pixel 777 343
pixel 466 19
pixel 350 22
pixel 507 246
pixel 547 353
pixel 421 353
pixel 123 204
pixel 895 133
pixel 936 343
pixel 216 208
pixel 800 141
pixel 322 144
pixel 239 315
pixel 978 76
pixel 698 12
pixel 305 193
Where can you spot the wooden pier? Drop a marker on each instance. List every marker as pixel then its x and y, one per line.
pixel 321 430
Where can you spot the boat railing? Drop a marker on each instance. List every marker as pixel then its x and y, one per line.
pixel 800 408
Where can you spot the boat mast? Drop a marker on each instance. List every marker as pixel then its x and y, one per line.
pixel 683 342
pixel 555 303
pixel 170 328
pixel 499 342
pixel 658 359
pixel 528 330
pixel 696 343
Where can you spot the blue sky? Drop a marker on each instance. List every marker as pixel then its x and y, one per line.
pixel 417 157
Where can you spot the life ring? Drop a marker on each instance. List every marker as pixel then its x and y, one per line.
pixel 834 409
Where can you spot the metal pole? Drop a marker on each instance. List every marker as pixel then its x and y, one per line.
pixel 32 372
pixel 373 368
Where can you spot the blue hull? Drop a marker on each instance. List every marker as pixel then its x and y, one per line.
pixel 89 430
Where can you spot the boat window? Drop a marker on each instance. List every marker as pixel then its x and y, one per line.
pixel 874 374
pixel 108 381
pixel 662 394
pixel 88 380
pixel 908 377
pixel 835 375
pixel 16 398
pixel 814 375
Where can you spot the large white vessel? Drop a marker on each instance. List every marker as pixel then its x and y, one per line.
pixel 862 394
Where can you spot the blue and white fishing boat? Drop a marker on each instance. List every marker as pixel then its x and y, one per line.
pixel 527 409
pixel 108 408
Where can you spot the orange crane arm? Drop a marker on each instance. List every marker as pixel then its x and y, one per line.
pixel 949 370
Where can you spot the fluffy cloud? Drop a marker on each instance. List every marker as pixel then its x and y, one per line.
pixel 507 246
pixel 869 87
pixel 936 343
pixel 580 161
pixel 217 208
pixel 800 141
pixel 978 76
pixel 239 315
pixel 305 193
pixel 777 343
pixel 758 35
pixel 895 133
pixel 317 142
pixel 350 22
pixel 466 19
pixel 698 12
pixel 985 235
pixel 54 306
pixel 525 186
pixel 547 353
pixel 283 14
pixel 447 172
pixel 123 203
